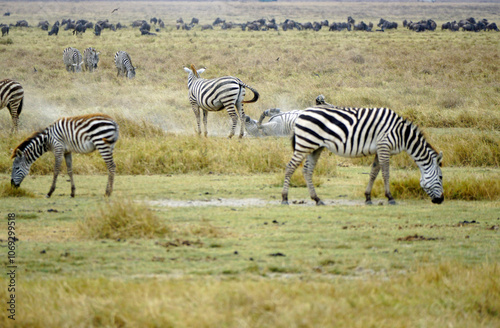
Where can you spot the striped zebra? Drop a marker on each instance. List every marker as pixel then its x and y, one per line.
pixel 12 96
pixel 78 134
pixel 357 132
pixel 90 59
pixel 280 124
pixel 124 65
pixel 216 94
pixel 72 59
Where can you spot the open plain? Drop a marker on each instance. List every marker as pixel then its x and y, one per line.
pixel 194 234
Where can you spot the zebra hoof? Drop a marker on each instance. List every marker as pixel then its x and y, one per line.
pixel 320 203
pixel 284 202
pixel 368 202
pixel 392 202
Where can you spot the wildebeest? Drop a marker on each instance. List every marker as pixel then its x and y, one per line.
pixel 5 30
pixel 194 20
pixel 79 29
pixel 55 29
pixel 44 25
pixel 153 20
pixel 386 25
pixel 22 23
pixel 97 29
pixel 207 27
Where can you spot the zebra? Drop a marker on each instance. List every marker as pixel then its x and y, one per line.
pixel 72 59
pixel 280 124
pixel 90 59
pixel 78 134
pixel 216 94
pixel 357 132
pixel 12 97
pixel 123 64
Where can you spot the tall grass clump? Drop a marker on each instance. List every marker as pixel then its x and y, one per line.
pixel 468 188
pixel 6 190
pixel 122 219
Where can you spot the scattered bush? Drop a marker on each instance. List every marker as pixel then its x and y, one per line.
pixel 123 219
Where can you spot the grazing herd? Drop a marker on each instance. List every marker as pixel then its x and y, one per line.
pixel 349 132
pixel 79 27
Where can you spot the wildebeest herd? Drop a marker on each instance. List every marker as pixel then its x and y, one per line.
pixel 79 26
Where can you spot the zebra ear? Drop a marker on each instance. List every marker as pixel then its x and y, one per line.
pixel 188 70
pixel 201 70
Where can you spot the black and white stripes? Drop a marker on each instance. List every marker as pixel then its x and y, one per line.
pixel 357 132
pixel 216 94
pixel 12 96
pixel 124 65
pixel 78 134
pixel 90 59
pixel 72 59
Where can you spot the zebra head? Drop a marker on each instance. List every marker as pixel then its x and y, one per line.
pixel 251 126
pixel 131 73
pixel 432 179
pixel 95 59
pixel 193 73
pixel 20 168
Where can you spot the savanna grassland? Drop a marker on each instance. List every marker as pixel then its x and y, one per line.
pixel 193 235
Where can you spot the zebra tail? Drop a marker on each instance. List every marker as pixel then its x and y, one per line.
pixel 255 95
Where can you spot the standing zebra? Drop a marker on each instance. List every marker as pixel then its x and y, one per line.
pixel 79 134
pixel 123 64
pixel 90 59
pixel 12 96
pixel 216 94
pixel 357 132
pixel 72 59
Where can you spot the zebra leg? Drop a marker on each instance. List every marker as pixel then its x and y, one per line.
pixel 58 153
pixel 14 116
pixel 311 161
pixel 234 117
pixel 242 119
pixel 69 166
pixel 373 175
pixel 383 156
pixel 107 156
pixel 196 111
pixel 205 123
pixel 297 158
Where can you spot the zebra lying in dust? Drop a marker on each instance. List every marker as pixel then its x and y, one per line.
pixel 280 123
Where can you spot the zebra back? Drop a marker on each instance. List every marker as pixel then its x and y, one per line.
pixel 123 63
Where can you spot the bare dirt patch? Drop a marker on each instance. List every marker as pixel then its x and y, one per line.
pixel 234 202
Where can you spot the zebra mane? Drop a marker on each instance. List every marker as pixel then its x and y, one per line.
pixel 193 68
pixel 419 133
pixel 22 146
pixel 87 116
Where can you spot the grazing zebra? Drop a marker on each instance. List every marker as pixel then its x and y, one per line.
pixel 90 59
pixel 12 96
pixel 79 134
pixel 72 59
pixel 123 64
pixel 216 94
pixel 357 132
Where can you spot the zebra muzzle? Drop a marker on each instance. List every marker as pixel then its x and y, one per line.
pixel 13 184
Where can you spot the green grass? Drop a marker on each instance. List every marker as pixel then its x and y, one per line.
pixel 194 233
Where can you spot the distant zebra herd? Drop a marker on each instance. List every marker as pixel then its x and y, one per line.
pixel 348 132
pixel 73 61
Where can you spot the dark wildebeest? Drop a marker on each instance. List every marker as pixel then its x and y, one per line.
pixel 79 29
pixel 153 20
pixel 5 30
pixel 194 21
pixel 207 27
pixel 145 26
pixel 218 21
pixel 97 29
pixel 492 27
pixel 44 25
pixel 55 29
pixel 22 23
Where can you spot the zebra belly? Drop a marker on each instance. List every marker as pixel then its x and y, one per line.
pixel 351 150
pixel 85 147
